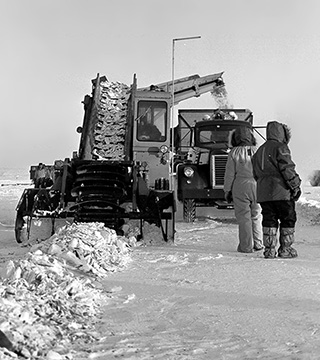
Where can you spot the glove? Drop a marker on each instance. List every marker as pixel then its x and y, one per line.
pixel 228 197
pixel 296 193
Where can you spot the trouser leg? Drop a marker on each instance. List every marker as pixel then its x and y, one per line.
pixel 288 218
pixel 243 216
pixel 257 234
pixel 286 240
pixel 270 228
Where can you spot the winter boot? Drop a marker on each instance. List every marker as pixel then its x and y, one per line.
pixel 258 246
pixel 270 242
pixel 286 240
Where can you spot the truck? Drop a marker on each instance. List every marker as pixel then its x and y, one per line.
pixel 121 171
pixel 203 141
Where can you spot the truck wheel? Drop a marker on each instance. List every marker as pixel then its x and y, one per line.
pixel 18 228
pixel 189 210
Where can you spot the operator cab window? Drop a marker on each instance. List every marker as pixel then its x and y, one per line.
pixel 152 121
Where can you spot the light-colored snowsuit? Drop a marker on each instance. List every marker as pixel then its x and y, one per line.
pixel 240 182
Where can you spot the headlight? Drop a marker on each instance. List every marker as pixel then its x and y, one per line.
pixel 164 149
pixel 188 172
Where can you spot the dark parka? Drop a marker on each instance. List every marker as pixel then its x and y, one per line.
pixel 273 167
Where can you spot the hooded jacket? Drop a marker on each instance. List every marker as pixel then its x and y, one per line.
pixel 273 167
pixel 239 166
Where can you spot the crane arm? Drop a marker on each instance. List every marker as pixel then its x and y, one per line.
pixel 190 86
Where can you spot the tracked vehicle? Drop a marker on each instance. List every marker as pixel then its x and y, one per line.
pixel 122 169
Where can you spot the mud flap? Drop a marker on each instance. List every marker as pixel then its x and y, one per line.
pixel 154 204
pixel 164 235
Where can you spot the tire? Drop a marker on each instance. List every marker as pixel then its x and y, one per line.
pixel 18 228
pixel 189 210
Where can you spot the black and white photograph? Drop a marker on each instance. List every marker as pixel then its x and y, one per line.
pixel 160 180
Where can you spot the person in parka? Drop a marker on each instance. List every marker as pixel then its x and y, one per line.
pixel 240 186
pixel 278 187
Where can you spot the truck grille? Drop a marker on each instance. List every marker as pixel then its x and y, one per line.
pixel 218 168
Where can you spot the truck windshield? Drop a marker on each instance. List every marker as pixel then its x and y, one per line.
pixel 152 121
pixel 214 136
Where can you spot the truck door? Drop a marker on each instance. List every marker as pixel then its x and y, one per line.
pixel 151 139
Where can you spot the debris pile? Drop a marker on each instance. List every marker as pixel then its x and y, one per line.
pixel 49 299
pixel 110 129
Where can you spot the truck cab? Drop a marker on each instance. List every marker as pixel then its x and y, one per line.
pixel 202 146
pixel 151 137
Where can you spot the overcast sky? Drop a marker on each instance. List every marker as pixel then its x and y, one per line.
pixel 269 51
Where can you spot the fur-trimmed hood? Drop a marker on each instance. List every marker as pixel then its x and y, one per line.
pixel 242 136
pixel 279 132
